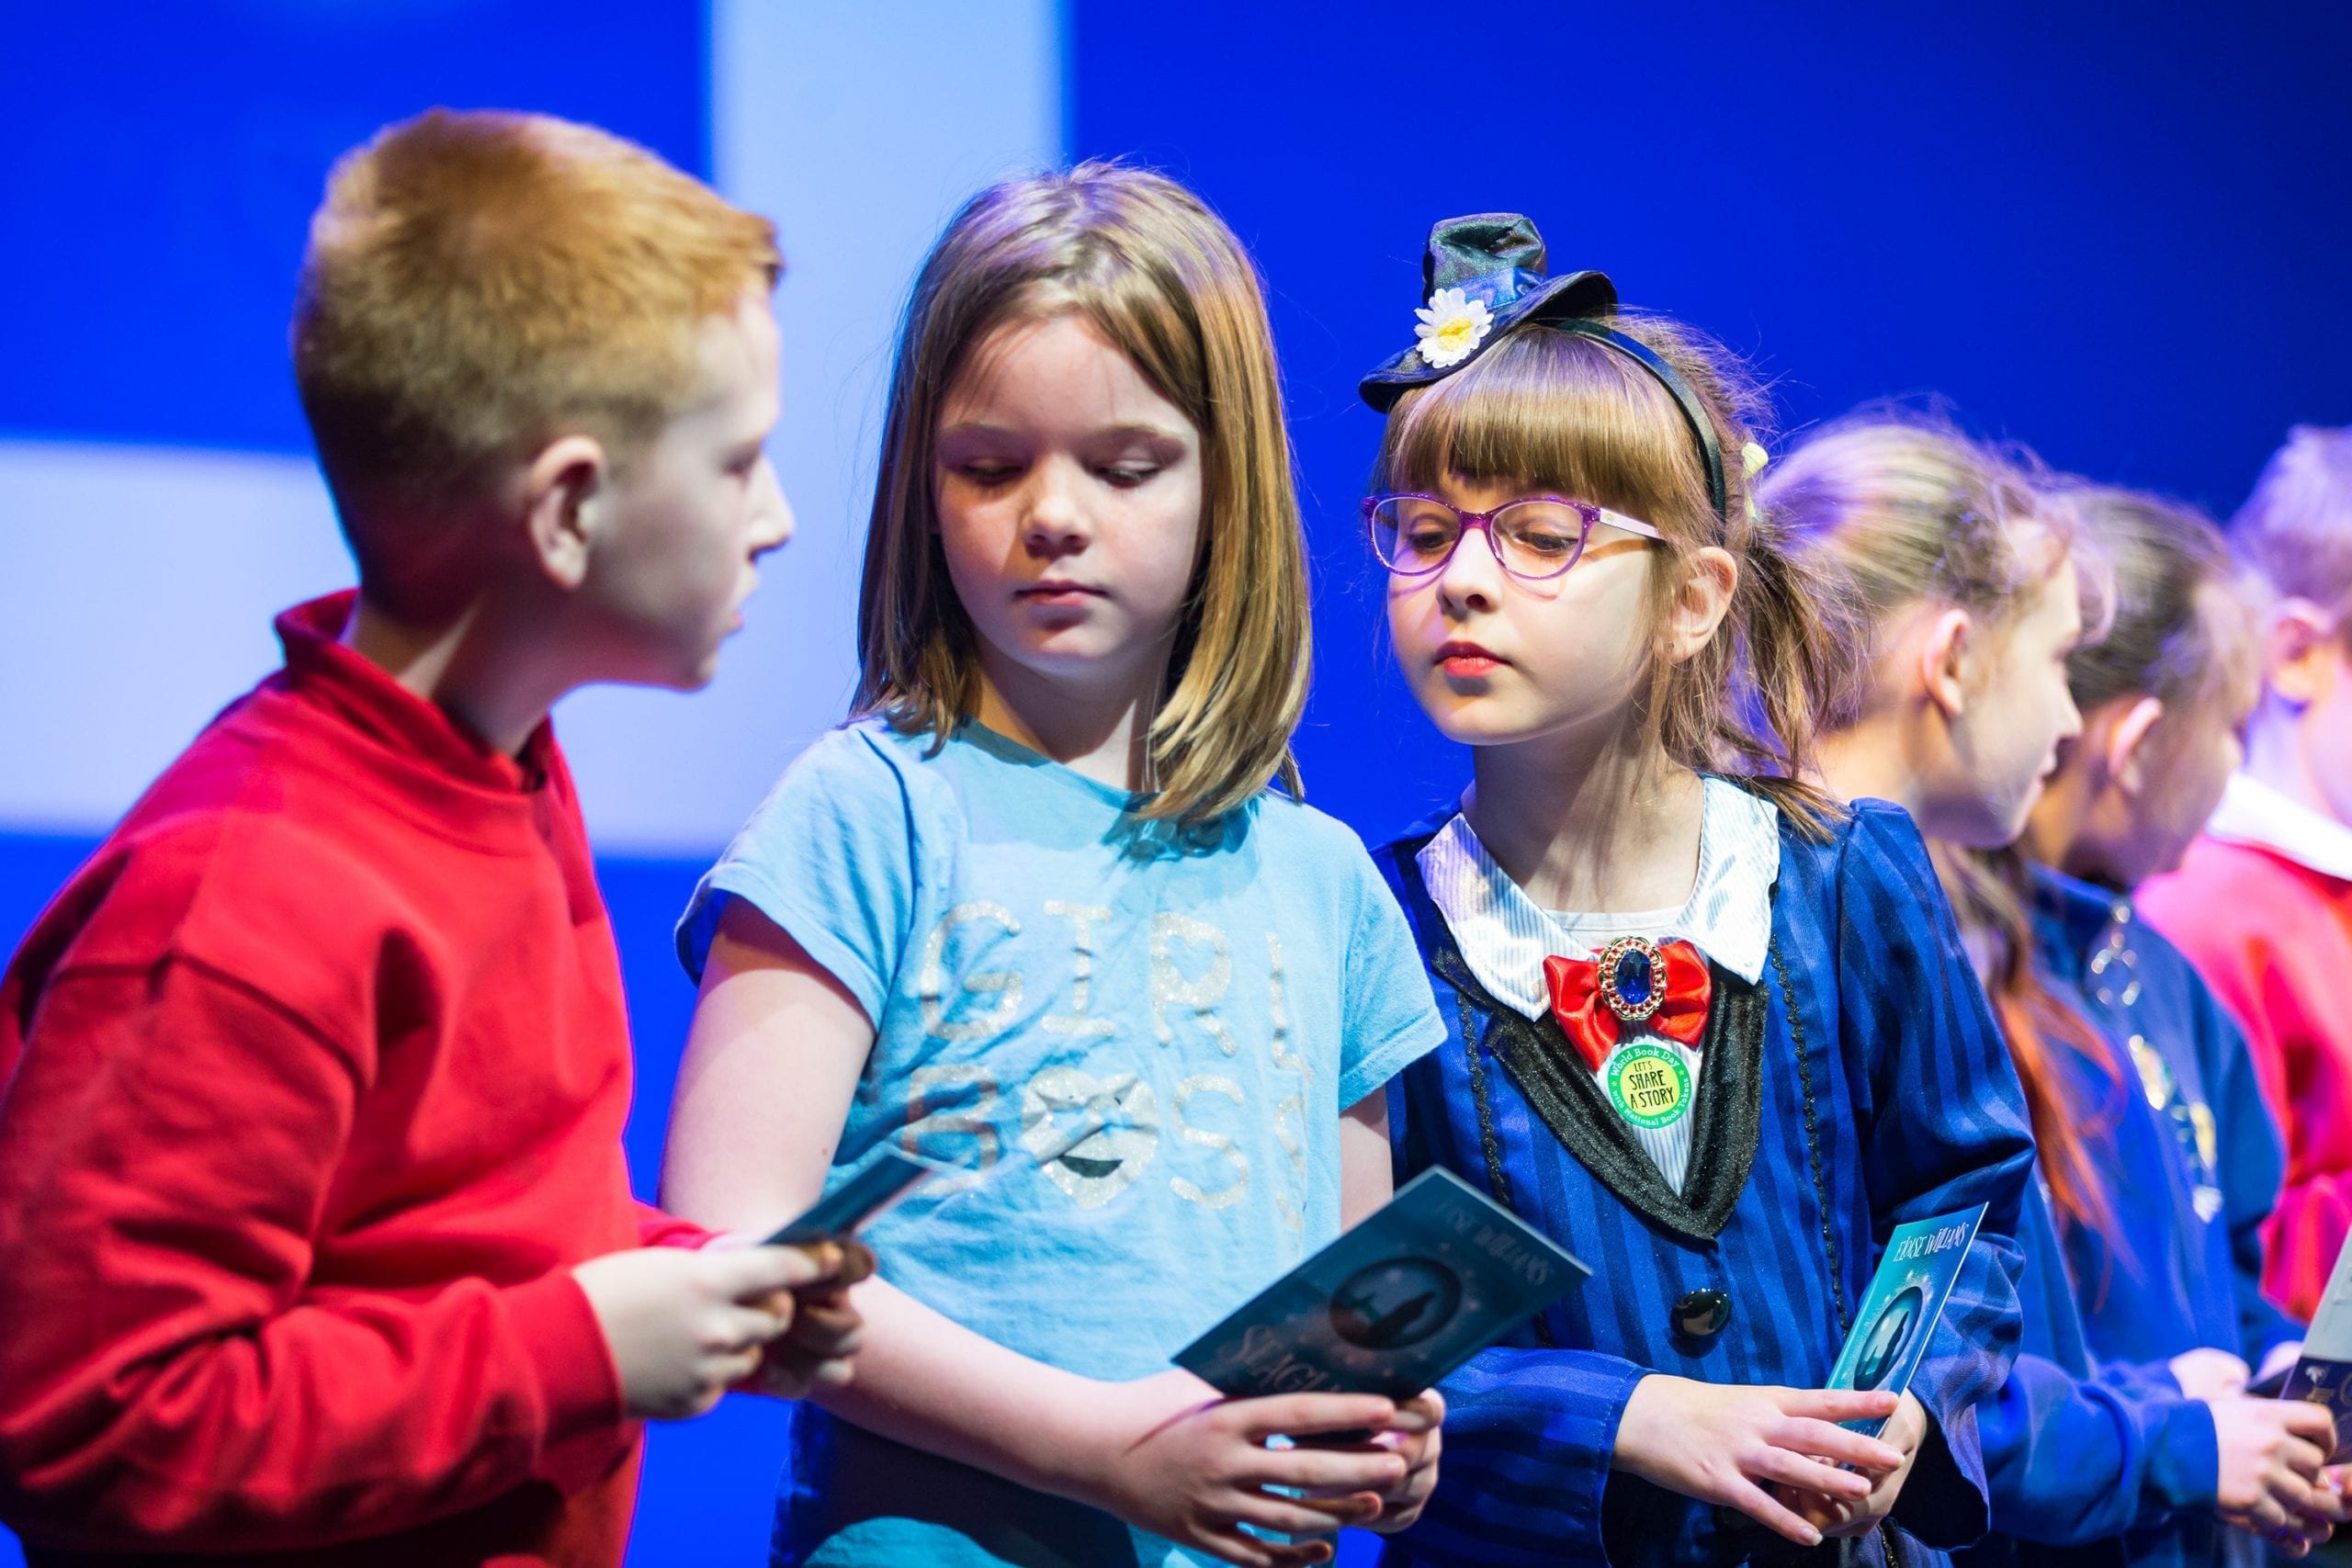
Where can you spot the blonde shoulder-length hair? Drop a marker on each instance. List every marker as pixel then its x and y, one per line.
pixel 1159 275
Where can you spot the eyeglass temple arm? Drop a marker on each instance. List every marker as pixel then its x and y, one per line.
pixel 1371 503
pixel 1630 525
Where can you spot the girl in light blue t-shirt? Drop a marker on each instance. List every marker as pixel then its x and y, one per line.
pixel 1043 881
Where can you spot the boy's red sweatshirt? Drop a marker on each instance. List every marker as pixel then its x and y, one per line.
pixel 311 1085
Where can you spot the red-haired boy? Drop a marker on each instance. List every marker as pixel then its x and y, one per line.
pixel 315 1237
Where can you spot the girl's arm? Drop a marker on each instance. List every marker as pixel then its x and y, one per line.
pixel 1367 1178
pixel 2253 1165
pixel 2072 1461
pixel 1949 1132
pixel 772 1062
pixel 2075 1458
pixel 1532 1437
pixel 1367 1181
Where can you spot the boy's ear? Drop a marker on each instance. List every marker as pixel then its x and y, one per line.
pixel 1947 660
pixel 558 491
pixel 2126 746
pixel 2298 662
pixel 1709 580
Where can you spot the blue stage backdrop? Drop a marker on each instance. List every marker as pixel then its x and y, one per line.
pixel 2119 242
pixel 164 159
pixel 2118 239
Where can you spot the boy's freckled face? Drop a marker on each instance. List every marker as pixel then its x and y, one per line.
pixel 687 516
pixel 1494 659
pixel 1069 498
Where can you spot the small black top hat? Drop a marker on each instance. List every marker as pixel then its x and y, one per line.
pixel 1496 260
pixel 1481 277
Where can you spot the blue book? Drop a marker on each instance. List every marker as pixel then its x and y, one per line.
pixel 1899 1310
pixel 1439 1274
pixel 2323 1373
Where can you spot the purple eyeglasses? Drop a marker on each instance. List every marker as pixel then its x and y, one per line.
pixel 1535 539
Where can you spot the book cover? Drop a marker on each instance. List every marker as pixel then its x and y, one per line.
pixel 1437 1275
pixel 1900 1310
pixel 892 1176
pixel 2322 1374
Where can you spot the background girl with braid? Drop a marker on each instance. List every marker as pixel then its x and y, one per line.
pixel 1705 1029
pixel 2164 697
pixel 1973 592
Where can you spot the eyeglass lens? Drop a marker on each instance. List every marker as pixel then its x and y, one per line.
pixel 1532 538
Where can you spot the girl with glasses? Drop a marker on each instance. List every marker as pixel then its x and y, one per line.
pixel 1712 1033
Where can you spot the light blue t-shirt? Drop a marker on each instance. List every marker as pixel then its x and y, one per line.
pixel 1029 953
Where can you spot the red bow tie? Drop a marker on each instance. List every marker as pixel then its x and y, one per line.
pixel 1634 980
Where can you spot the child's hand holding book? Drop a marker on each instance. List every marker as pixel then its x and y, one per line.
pixel 686 1327
pixel 1171 1457
pixel 1728 1443
pixel 1843 1515
pixel 2270 1481
pixel 816 1351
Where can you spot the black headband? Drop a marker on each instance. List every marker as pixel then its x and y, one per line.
pixel 1694 412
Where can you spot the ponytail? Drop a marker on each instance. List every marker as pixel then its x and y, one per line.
pixel 1791 652
pixel 2046 1035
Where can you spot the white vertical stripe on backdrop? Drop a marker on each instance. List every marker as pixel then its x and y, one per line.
pixel 859 129
pixel 136 589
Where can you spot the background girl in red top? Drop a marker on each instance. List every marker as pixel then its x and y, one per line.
pixel 2263 902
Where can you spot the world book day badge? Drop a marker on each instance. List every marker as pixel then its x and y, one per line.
pixel 1439 1274
pixel 1899 1311
pixel 2323 1373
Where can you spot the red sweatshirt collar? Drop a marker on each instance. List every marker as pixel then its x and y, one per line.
pixel 321 669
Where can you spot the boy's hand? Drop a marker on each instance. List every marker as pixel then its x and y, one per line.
pixel 815 1351
pixel 2272 1451
pixel 1844 1517
pixel 684 1326
pixel 1174 1459
pixel 1724 1444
